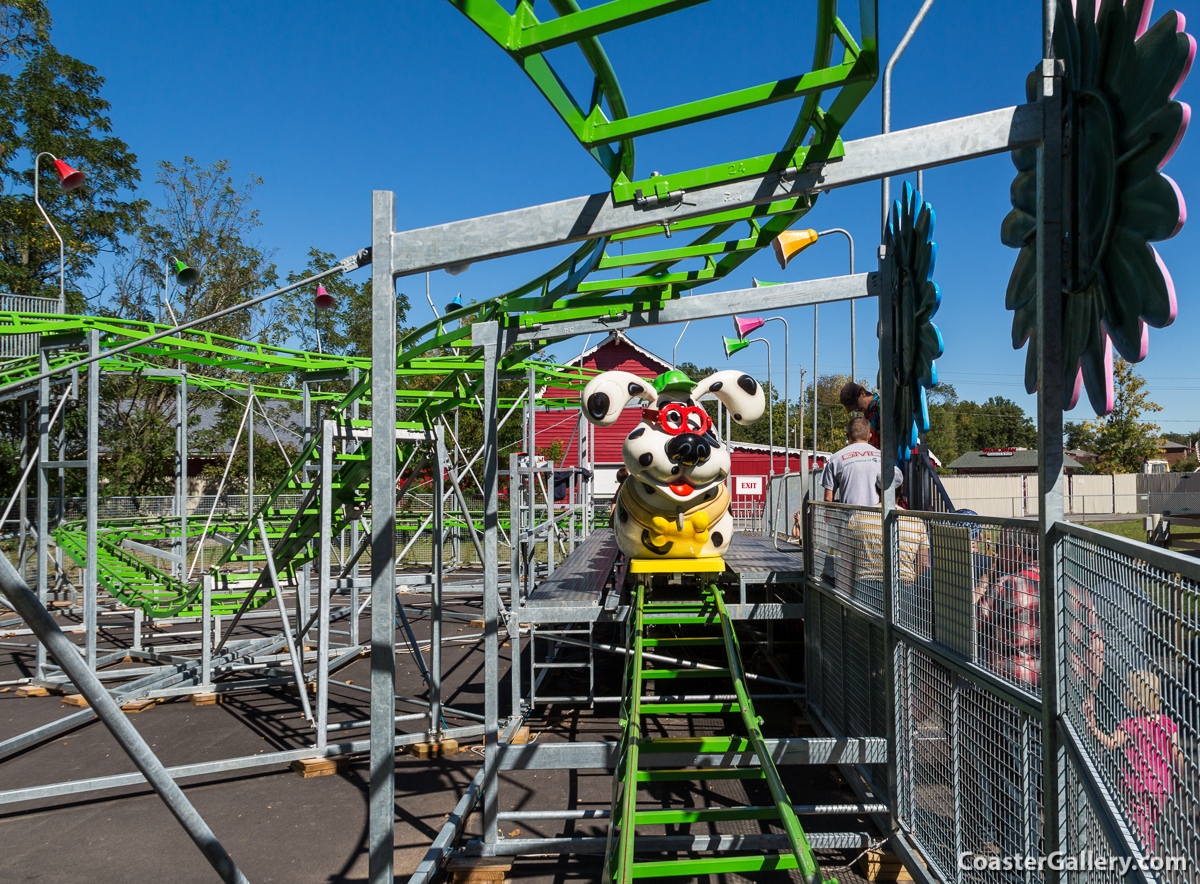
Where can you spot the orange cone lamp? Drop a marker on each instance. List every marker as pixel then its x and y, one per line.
pixel 791 243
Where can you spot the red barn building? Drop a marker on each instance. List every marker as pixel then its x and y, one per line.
pixel 567 426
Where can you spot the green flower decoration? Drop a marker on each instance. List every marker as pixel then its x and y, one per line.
pixel 1120 79
pixel 916 341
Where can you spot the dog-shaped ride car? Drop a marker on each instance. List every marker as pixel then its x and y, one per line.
pixel 675 503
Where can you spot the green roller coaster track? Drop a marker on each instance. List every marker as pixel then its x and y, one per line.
pixel 574 288
pixel 589 283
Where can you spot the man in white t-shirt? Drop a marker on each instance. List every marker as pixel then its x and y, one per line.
pixel 854 471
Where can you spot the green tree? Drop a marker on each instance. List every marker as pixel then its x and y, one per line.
pixel 24 28
pixel 1000 423
pixel 942 437
pixel 208 221
pixel 1123 441
pixel 53 103
pixel 271 464
pixel 345 328
pixel 1076 435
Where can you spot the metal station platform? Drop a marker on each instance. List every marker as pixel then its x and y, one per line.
pixel 587 586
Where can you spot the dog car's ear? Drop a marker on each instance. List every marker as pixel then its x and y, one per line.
pixel 739 392
pixel 606 394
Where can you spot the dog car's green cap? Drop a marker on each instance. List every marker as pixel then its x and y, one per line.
pixel 673 380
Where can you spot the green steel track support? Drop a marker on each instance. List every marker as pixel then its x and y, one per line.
pixel 604 127
pixel 621 864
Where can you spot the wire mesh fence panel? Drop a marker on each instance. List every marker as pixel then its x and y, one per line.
pixel 783 505
pixel 857 684
pixel 931 777
pixel 832 652
pixel 969 773
pixel 969 765
pixel 847 552
pixel 1131 635
pixel 747 514
pixel 980 593
pixel 1085 833
pixel 814 643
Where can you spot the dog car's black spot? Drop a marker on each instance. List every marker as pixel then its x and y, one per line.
pixel 622 515
pixel 748 384
pixel 716 387
pixel 635 389
pixel 646 459
pixel 649 490
pixel 674 471
pixel 597 406
pixel 717 538
pixel 637 433
pixel 737 417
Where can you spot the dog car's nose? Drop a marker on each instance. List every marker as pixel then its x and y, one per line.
pixel 688 449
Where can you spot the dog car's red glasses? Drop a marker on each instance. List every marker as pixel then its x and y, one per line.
pixel 675 418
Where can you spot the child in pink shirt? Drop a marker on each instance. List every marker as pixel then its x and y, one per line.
pixel 1152 755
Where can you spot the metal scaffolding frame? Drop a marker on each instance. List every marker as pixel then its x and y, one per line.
pixel 343 453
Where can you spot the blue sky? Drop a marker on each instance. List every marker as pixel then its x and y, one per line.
pixel 328 102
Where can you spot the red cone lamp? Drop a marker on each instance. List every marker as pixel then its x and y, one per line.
pixel 68 178
pixel 323 300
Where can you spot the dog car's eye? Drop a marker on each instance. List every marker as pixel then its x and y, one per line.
pixel 695 422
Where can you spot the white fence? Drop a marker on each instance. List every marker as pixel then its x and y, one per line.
pixel 17 346
pixel 1009 497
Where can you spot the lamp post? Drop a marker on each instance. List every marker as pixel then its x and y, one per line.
pixel 732 345
pixel 68 179
pixel 674 362
pixel 184 275
pixel 749 324
pixel 853 350
pixel 322 301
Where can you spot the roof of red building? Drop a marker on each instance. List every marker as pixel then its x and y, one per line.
pixel 615 353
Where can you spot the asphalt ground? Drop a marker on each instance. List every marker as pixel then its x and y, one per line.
pixel 281 827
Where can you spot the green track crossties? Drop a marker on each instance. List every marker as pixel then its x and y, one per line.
pixel 635 748
pixel 830 88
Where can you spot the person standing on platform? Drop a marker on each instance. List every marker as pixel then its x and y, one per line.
pixel 856 397
pixel 853 473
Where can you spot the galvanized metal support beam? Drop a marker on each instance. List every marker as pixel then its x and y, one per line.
pixel 324 563
pixel 598 214
pixel 888 447
pixel 43 502
pixel 91 572
pixel 181 476
pixel 382 791
pixel 1050 448
pixel 435 592
pixel 50 636
pixel 486 335
pixel 692 308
